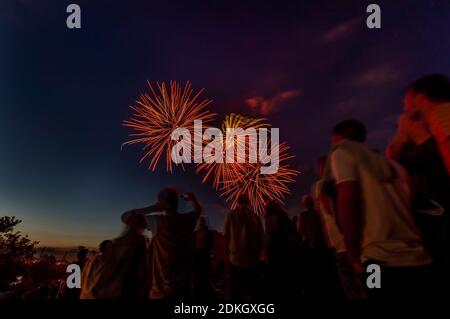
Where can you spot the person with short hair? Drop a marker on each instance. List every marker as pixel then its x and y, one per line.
pixel 125 272
pixel 428 99
pixel 203 237
pixel 282 243
pixel 415 145
pixel 324 197
pixel 315 262
pixel 375 215
pixel 244 242
pixel 310 223
pixel 172 246
pixel 93 269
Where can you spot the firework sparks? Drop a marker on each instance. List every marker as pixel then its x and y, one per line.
pixel 221 171
pixel 156 115
pixel 234 179
pixel 247 179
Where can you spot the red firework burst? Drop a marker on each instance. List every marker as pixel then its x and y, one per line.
pixel 247 179
pixel 220 171
pixel 234 179
pixel 158 114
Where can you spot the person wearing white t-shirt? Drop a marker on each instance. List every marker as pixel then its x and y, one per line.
pixel 349 281
pixel 373 206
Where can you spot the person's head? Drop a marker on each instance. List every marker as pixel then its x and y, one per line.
pixel 352 130
pixel 104 246
pixel 82 253
pixel 425 93
pixel 169 197
pixel 273 208
pixel 136 223
pixel 243 200
pixel 308 202
pixel 321 165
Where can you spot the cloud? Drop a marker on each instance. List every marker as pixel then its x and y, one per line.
pixel 342 30
pixel 265 106
pixel 377 75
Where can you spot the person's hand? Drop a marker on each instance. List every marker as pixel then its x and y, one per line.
pixel 189 196
pixel 415 130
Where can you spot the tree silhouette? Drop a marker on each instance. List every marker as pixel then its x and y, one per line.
pixel 15 249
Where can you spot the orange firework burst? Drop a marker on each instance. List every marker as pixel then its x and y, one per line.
pixel 220 171
pixel 247 179
pixel 156 115
pixel 234 179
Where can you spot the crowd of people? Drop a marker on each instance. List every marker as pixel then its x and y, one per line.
pixel 366 208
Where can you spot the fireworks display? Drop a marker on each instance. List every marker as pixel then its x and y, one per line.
pixel 220 172
pixel 234 179
pixel 156 115
pixel 247 179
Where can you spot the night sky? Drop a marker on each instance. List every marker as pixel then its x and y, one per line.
pixel 305 65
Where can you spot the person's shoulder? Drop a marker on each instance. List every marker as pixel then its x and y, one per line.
pixel 348 148
pixel 345 157
pixel 339 154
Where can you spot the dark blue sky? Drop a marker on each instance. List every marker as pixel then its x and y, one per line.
pixel 64 93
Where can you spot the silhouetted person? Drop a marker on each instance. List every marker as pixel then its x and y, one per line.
pixel 311 227
pixel 93 270
pixel 172 246
pixel 126 271
pixel 415 146
pixel 203 238
pixel 244 236
pixel 311 230
pixel 74 293
pixel 82 256
pixel 428 99
pixel 282 243
pixel 295 220
pixel 375 216
pixel 349 282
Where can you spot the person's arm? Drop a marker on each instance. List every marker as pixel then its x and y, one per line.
pixel 409 131
pixel 158 207
pixel 350 219
pixel 395 145
pixel 197 207
pixel 349 205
